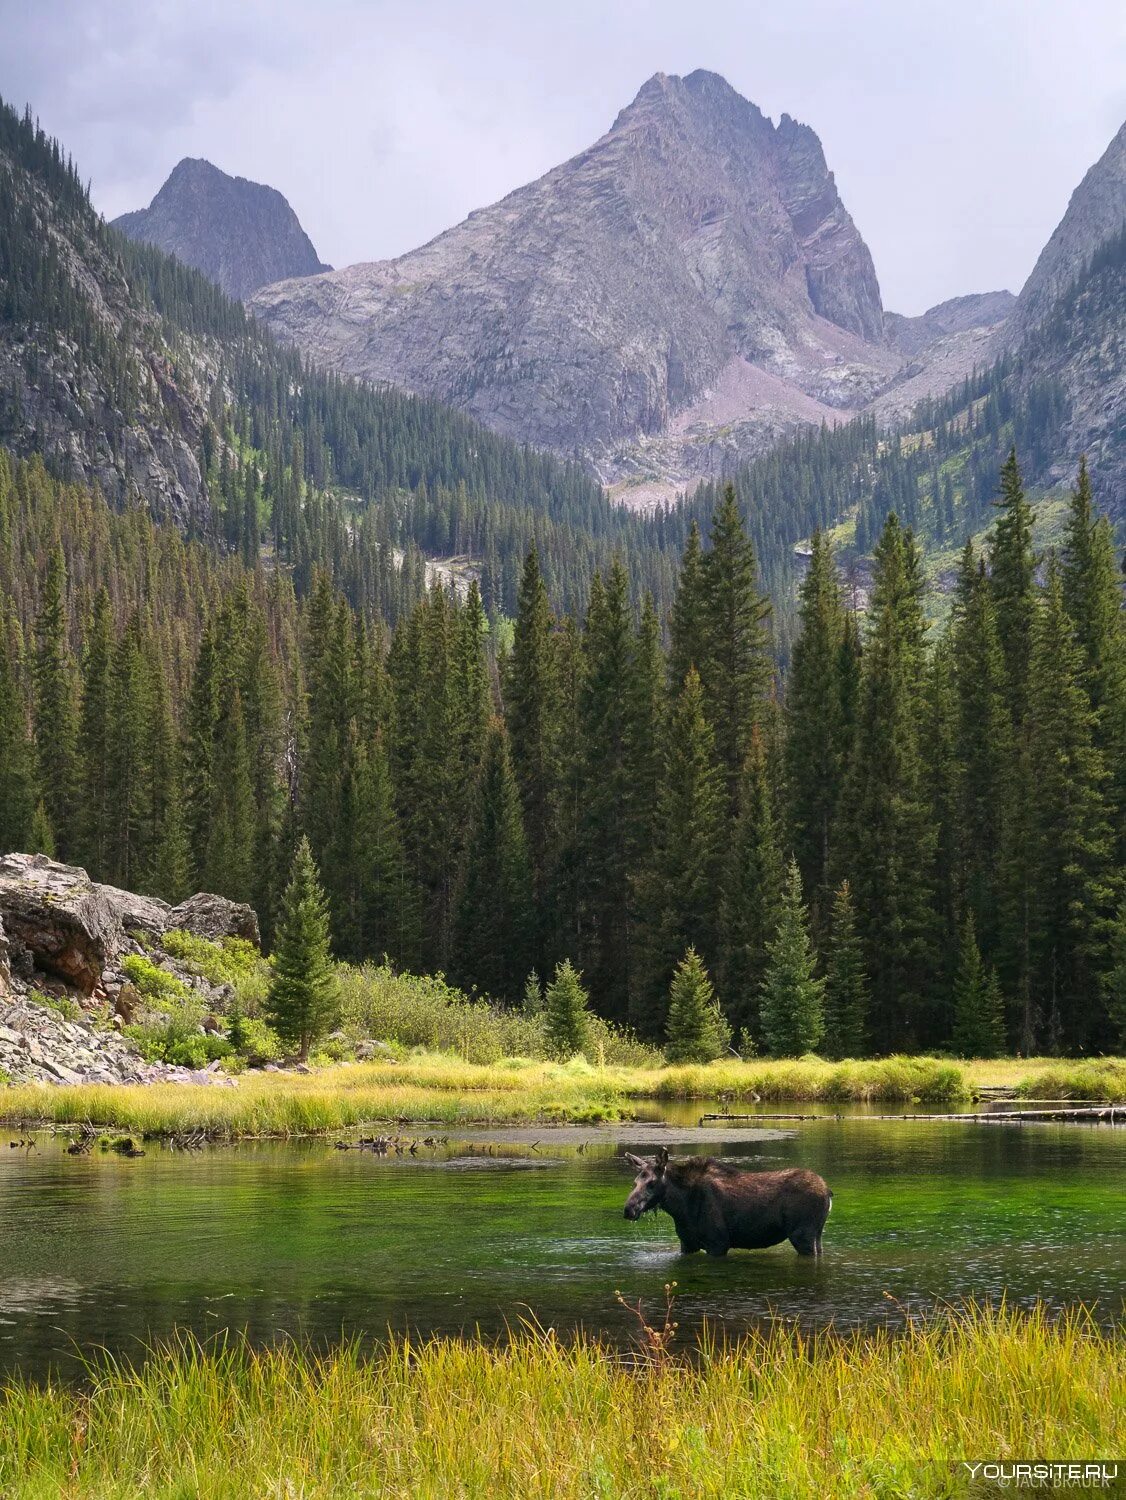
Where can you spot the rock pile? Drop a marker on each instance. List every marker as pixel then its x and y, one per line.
pixel 63 938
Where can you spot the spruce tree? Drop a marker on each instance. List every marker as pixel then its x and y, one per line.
pixel 889 834
pixel 752 892
pixel 1092 590
pixel 979 1021
pixel 388 896
pixel 845 996
pixel 815 748
pixel 18 797
pixel 1073 878
pixel 607 777
pixel 695 1030
pixel 531 693
pixel 792 1015
pixel 56 696
pixel 303 994
pixel 94 735
pixel 531 1001
pixel 679 890
pixel 494 928
pixel 688 624
pixel 736 669
pixel 565 1012
pixel 1012 571
pixel 230 842
pixel 983 750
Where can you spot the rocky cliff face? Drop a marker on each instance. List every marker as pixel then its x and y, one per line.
pixel 1069 326
pixel 240 234
pixel 590 307
pixel 1096 211
pixel 117 408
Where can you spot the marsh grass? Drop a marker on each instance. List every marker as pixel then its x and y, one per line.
pixel 449 1091
pixel 778 1414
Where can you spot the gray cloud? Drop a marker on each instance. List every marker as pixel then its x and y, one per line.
pixel 956 133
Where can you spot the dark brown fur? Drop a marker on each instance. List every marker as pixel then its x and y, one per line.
pixel 718 1208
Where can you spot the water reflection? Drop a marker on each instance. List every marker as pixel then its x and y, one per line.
pixel 311 1243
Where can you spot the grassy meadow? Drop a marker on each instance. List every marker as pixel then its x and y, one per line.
pixel 778 1414
pixel 446 1090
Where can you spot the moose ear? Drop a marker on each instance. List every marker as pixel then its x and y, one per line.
pixel 635 1162
pixel 662 1158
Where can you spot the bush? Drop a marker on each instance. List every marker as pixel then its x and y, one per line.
pixel 232 961
pixel 197 1051
pixel 258 1044
pixel 153 983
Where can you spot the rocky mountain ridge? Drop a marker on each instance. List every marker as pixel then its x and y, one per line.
pixel 675 297
pixel 240 234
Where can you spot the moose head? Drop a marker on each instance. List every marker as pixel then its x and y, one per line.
pixel 649 1189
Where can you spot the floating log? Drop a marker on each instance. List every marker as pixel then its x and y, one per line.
pixel 1112 1113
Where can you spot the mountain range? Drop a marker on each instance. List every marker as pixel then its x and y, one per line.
pixel 665 303
pixel 240 234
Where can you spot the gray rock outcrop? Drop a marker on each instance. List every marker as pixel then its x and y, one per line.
pixel 215 918
pixel 74 929
pixel 240 234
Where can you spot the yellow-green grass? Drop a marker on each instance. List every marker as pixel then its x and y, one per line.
pixel 777 1415
pixel 449 1091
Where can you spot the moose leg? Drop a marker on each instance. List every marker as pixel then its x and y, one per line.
pixel 806 1242
pixel 688 1248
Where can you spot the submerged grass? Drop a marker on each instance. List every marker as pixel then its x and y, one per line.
pixel 778 1414
pixel 447 1090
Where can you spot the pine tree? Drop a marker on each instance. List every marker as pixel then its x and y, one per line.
pixel 129 769
pixel 494 927
pixel 607 778
pixel 1116 982
pixel 889 832
pixel 41 838
pixel 1073 886
pixel 846 984
pixel 695 1030
pixel 532 999
pixel 17 758
pixel 736 669
pixel 96 813
pixel 983 750
pixel 388 897
pixel 565 1012
pixel 979 1021
pixel 55 698
pixel 688 625
pixel 1093 598
pixel 230 842
pixel 1012 570
pixel 792 1017
pixel 532 704
pixel 815 751
pixel 679 891
pixel 752 892
pixel 303 995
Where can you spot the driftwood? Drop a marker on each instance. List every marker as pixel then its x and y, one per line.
pixel 1111 1113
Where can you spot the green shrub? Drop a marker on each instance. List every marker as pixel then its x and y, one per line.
pixel 153 983
pixel 197 1051
pixel 231 961
pixel 258 1044
pixel 69 1009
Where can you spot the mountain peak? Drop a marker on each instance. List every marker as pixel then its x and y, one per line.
pixel 241 234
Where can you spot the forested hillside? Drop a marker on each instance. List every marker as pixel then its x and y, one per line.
pixel 174 718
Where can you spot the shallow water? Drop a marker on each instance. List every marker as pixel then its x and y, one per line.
pixel 308 1241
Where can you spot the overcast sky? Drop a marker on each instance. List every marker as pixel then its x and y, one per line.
pixel 956 130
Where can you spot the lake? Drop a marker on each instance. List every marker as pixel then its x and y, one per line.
pixel 307 1241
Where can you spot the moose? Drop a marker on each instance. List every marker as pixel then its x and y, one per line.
pixel 717 1208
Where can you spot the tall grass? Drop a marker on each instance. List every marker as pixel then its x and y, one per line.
pixel 448 1090
pixel 778 1414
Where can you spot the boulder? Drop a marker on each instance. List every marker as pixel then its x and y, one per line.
pixel 214 917
pixel 5 971
pixel 70 926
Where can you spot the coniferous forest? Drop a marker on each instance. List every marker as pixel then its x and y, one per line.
pixel 910 838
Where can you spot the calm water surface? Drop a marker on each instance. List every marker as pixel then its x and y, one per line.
pixel 314 1243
